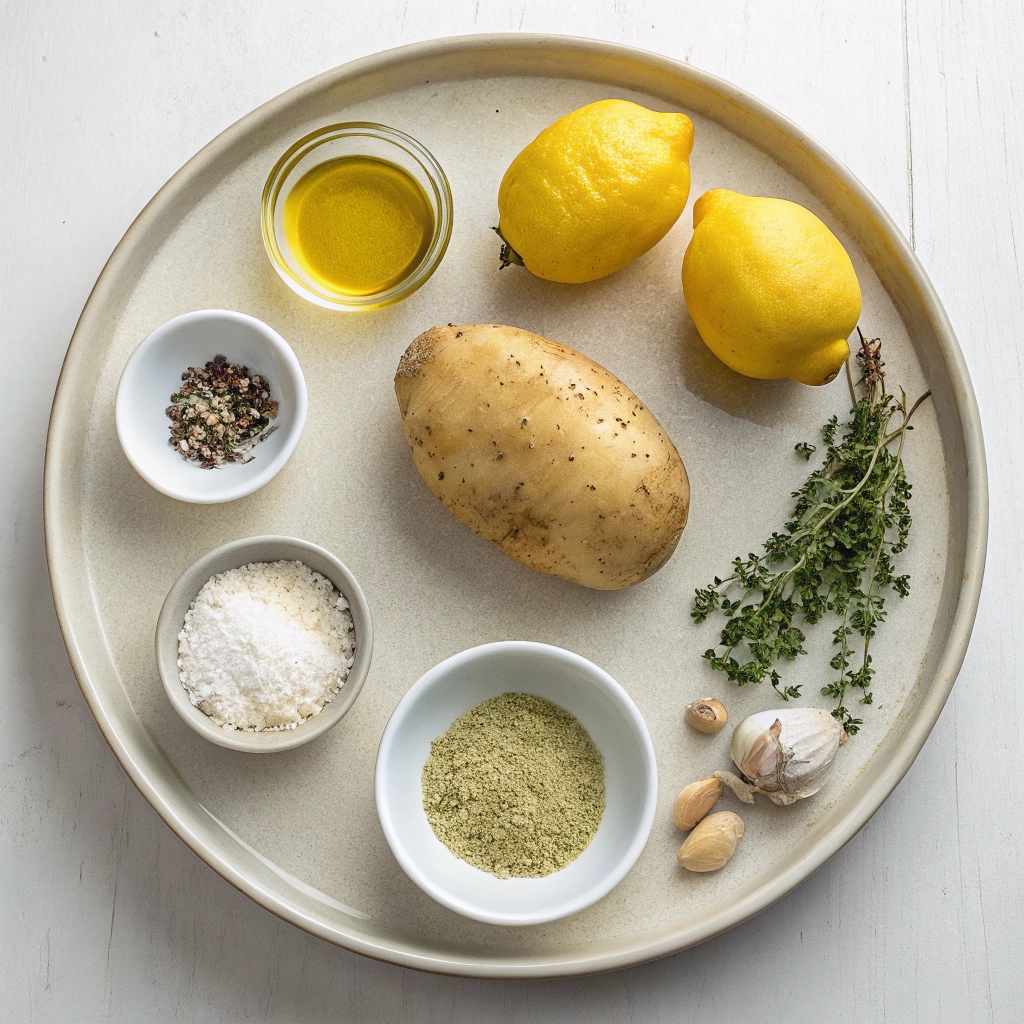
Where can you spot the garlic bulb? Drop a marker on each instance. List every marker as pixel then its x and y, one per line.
pixel 785 754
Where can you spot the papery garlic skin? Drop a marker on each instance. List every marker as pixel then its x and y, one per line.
pixel 786 754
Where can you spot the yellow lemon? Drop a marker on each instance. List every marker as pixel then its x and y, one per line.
pixel 595 190
pixel 771 290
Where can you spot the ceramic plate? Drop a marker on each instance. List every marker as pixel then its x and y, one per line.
pixel 298 831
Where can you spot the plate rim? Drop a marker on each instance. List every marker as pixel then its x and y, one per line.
pixel 167 799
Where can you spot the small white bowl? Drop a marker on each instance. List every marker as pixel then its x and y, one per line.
pixel 231 556
pixel 153 373
pixel 602 707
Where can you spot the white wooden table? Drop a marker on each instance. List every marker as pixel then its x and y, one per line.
pixel 105 915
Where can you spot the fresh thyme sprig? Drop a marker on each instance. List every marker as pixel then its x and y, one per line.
pixel 852 516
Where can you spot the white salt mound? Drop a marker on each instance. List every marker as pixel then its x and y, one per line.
pixel 265 646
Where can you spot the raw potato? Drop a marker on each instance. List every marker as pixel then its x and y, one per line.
pixel 543 453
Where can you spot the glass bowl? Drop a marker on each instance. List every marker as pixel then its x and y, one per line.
pixel 356 138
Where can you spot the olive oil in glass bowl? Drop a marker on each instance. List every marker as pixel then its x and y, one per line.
pixel 356 216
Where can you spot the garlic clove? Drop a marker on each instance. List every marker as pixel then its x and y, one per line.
pixel 706 715
pixel 710 845
pixel 694 802
pixel 786 753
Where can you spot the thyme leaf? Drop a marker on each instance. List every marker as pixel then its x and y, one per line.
pixel 836 554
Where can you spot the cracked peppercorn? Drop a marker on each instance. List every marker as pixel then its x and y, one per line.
pixel 220 414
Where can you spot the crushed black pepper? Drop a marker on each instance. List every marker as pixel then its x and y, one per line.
pixel 220 414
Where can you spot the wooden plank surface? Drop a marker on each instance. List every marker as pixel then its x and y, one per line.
pixel 105 915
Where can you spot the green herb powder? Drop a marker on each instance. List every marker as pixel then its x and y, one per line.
pixel 515 787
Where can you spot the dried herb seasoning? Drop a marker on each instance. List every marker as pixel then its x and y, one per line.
pixel 515 787
pixel 220 414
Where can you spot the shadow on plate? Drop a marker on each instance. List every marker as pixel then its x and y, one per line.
pixel 705 376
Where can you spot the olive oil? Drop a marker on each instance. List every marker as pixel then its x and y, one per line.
pixel 358 225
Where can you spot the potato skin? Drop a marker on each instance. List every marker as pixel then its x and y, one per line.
pixel 543 453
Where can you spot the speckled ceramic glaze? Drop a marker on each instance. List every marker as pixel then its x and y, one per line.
pixel 298 831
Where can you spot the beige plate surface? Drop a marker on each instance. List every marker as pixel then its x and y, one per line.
pixel 297 831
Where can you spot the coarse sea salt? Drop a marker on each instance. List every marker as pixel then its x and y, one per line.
pixel 265 646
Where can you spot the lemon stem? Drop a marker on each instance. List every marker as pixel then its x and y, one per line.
pixel 507 255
